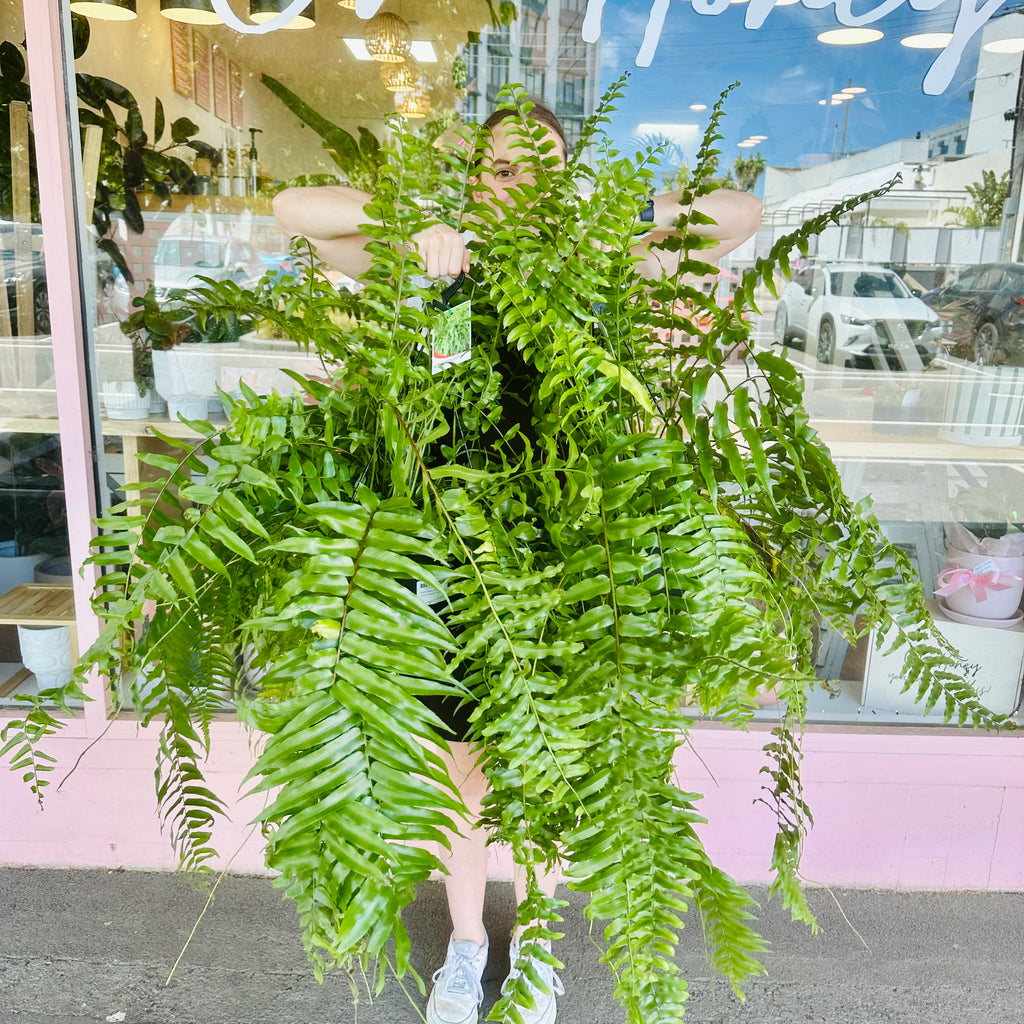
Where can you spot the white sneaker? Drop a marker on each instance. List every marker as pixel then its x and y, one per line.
pixel 544 1008
pixel 457 992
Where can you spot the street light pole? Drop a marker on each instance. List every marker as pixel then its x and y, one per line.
pixel 1017 170
pixel 846 118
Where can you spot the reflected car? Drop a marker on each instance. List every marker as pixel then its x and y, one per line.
pixel 859 315
pixel 984 306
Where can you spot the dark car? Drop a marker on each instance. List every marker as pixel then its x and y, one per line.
pixel 984 306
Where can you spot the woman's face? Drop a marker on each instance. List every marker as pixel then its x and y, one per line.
pixel 511 161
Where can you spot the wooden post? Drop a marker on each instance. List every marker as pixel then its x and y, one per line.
pixel 22 216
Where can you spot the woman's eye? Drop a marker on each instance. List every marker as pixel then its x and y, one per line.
pixel 506 174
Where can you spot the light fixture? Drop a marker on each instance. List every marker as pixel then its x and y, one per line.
pixel 388 38
pixel 105 10
pixel 840 96
pixel 927 41
pixel 829 103
pixel 192 12
pixel 786 3
pixel 854 90
pixel 402 77
pixel 1014 44
pixel 758 138
pixel 850 36
pixel 413 104
pixel 263 10
pixel 348 5
pixel 698 106
pixel 746 143
pixel 422 50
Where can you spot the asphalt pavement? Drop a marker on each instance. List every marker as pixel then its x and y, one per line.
pixel 84 946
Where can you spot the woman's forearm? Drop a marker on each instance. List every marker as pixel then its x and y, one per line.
pixel 736 215
pixel 325 212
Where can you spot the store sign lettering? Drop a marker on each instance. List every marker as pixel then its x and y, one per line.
pixel 970 20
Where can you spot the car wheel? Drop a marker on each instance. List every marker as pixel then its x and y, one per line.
pixel 986 343
pixel 781 326
pixel 826 342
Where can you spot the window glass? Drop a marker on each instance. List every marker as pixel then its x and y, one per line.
pixel 190 129
pixel 33 506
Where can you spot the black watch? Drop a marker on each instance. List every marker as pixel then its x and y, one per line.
pixel 647 213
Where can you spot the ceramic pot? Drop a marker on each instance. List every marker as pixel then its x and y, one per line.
pixel 186 376
pixel 46 653
pixel 985 406
pixel 15 569
pixel 122 401
pixel 986 603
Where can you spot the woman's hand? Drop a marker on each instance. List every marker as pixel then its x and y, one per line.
pixel 442 251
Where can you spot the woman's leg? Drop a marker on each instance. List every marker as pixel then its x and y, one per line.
pixel 466 880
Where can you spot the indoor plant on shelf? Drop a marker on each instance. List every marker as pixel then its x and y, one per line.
pixel 631 556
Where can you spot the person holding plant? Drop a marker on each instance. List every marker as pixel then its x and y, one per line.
pixel 331 218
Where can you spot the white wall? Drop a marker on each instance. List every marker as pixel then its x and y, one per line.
pixel 995 89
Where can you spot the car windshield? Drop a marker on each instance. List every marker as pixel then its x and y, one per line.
pixel 868 284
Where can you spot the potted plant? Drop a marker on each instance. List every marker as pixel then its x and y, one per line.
pixel 983 580
pixel 623 552
pixel 182 346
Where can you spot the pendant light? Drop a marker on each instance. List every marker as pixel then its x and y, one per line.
pixel 192 12
pixel 348 5
pixel 402 77
pixel 413 104
pixel 105 10
pixel 263 10
pixel 388 38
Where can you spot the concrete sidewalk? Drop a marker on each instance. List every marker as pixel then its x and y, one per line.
pixel 83 946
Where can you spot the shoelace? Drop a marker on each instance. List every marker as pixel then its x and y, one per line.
pixel 545 970
pixel 458 975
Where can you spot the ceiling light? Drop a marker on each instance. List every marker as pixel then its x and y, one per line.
pixel 348 5
pixel 402 77
pixel 850 36
pixel 829 103
pixel 263 10
pixel 1011 45
pixel 854 90
pixel 758 138
pixel 105 10
pixel 388 38
pixel 413 104
pixel 746 143
pixel 192 12
pixel 786 3
pixel 927 41
pixel 422 50
pixel 698 106
pixel 840 96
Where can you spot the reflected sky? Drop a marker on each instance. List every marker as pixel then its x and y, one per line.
pixel 783 71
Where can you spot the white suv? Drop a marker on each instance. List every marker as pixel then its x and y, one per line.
pixel 858 314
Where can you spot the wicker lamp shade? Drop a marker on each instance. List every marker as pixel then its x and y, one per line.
pixel 413 104
pixel 191 12
pixel 402 77
pixel 388 38
pixel 105 10
pixel 264 10
pixel 348 5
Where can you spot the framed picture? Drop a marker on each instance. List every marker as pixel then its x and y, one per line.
pixel 181 59
pixel 201 80
pixel 221 86
pixel 235 75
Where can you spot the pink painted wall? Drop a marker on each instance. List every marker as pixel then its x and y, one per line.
pixel 894 809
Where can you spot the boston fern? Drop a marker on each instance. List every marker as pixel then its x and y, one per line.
pixel 658 543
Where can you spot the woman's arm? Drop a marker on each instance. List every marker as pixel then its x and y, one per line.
pixel 330 217
pixel 736 216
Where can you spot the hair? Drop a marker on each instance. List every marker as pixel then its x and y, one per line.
pixel 539 112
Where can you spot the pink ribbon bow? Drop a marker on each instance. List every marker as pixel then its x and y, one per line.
pixel 952 580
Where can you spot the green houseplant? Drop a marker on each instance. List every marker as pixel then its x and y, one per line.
pixel 686 543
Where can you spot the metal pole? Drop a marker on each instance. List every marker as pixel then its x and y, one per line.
pixel 846 118
pixel 1017 170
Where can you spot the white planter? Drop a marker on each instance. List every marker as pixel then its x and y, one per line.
pixel 16 569
pixel 122 401
pixel 994 604
pixel 186 376
pixel 984 406
pixel 46 653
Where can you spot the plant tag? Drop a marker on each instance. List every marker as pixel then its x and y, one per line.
pixel 983 567
pixel 452 338
pixel 429 595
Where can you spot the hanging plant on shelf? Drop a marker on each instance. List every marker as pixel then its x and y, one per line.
pixel 664 531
